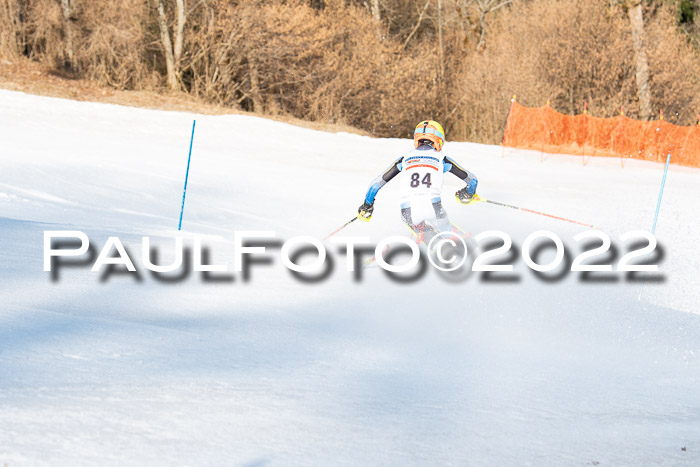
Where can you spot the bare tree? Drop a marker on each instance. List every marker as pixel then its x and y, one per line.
pixel 483 8
pixel 180 34
pixel 255 94
pixel 441 50
pixel 417 25
pixel 11 30
pixel 173 55
pixel 377 17
pixel 634 9
pixel 67 10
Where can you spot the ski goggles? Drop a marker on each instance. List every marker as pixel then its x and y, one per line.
pixel 430 131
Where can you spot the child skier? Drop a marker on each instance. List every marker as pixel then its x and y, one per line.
pixel 421 184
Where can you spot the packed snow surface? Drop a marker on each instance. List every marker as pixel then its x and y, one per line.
pixel 111 368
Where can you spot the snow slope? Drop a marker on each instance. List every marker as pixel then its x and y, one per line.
pixel 271 371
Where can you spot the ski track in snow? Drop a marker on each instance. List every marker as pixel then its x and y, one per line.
pixel 121 371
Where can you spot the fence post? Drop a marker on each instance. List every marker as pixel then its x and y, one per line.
pixel 545 128
pixel 622 133
pixel 662 137
pixel 505 130
pixel 585 132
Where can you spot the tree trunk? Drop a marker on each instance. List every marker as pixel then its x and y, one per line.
pixel 640 58
pixel 441 55
pixel 67 9
pixel 377 17
pixel 180 35
pixel 10 37
pixel 255 86
pixel 482 31
pixel 167 46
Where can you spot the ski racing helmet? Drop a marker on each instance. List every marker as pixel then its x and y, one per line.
pixel 430 130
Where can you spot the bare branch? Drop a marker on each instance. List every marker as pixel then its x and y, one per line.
pixel 415 28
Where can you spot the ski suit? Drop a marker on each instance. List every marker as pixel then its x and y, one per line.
pixel 422 171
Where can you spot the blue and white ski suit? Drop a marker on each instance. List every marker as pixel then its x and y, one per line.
pixel 422 171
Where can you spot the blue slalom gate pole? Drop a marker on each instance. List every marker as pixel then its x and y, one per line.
pixel 661 193
pixel 187 174
pixel 658 208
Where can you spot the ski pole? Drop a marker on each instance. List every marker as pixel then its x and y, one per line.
pixel 340 228
pixel 536 212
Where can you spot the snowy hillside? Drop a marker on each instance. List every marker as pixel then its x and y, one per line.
pixel 118 369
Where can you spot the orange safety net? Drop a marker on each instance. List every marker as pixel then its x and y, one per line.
pixel 546 130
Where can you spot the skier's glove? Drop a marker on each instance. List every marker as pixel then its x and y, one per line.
pixel 364 212
pixel 465 198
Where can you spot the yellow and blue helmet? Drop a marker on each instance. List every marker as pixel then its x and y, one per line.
pixel 430 130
